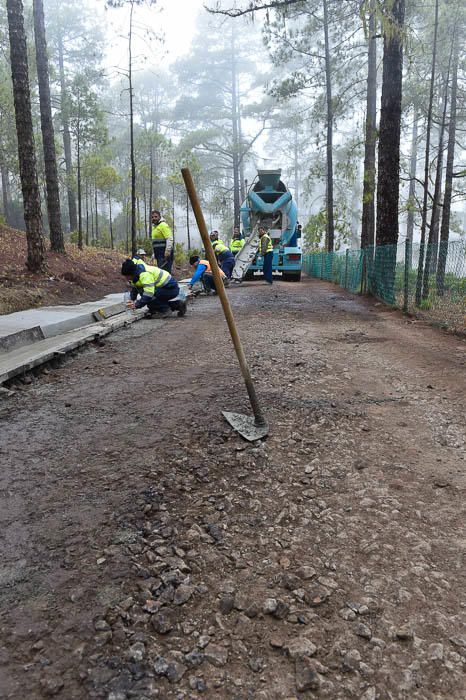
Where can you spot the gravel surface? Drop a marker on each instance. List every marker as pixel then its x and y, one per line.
pixel 147 551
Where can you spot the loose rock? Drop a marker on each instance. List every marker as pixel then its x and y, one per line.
pixel 306 677
pixel 216 655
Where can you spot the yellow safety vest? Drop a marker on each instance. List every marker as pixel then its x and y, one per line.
pixel 151 279
pixel 219 247
pixel 236 245
pixel 161 232
pixel 139 261
pixel 269 244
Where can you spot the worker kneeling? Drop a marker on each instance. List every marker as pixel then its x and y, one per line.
pixel 225 257
pixel 203 272
pixel 157 289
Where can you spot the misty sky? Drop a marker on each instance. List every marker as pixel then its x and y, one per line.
pixel 173 19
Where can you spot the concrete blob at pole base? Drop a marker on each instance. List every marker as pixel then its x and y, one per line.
pixel 245 426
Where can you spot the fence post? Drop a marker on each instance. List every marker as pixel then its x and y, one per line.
pixel 346 268
pixel 322 266
pixel 406 276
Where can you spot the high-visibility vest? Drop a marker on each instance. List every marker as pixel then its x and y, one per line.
pixel 219 247
pixel 151 279
pixel 139 262
pixel 236 245
pixel 268 240
pixel 209 269
pixel 161 231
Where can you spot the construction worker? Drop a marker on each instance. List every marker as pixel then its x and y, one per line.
pixel 225 257
pixel 236 242
pixel 266 250
pixel 203 272
pixel 140 258
pixel 162 241
pixel 214 237
pixel 157 289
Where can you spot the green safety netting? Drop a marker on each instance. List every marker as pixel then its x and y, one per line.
pixel 392 274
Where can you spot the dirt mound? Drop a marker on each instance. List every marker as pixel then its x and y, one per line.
pixel 78 276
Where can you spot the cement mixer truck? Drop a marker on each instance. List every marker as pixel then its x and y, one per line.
pixel 269 203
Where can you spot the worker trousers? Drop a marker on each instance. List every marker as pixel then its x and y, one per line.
pixel 162 296
pixel 267 269
pixel 160 259
pixel 227 262
pixel 208 282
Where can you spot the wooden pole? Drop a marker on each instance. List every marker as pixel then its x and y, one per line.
pixel 191 190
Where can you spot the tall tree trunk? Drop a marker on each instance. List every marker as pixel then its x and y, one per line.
pixel 146 230
pixel 96 214
pixel 388 183
pixel 87 213
pixel 187 222
pixel 420 266
pixel 330 230
pixel 151 191
pixel 128 224
pixel 241 153
pixel 368 197
pixel 173 211
pixel 445 227
pixel 5 191
pixel 67 140
pixel 412 181
pixel 80 207
pixel 110 217
pixel 131 121
pixel 432 243
pixel 92 218
pixel 235 149
pixel 296 166
pixel 48 139
pixel 25 132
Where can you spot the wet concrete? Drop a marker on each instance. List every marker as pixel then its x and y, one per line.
pixel 55 319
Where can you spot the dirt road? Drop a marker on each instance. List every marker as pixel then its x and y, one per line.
pixel 148 552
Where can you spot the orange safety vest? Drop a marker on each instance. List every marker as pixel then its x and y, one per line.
pixel 209 269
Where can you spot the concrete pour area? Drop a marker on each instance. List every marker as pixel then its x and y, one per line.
pixel 32 337
pixel 54 320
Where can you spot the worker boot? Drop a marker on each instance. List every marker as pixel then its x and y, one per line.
pixel 182 308
pixel 159 314
pixel 178 305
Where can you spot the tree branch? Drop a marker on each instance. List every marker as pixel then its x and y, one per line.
pixel 253 7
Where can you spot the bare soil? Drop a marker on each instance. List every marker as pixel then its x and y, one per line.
pixel 148 552
pixel 78 276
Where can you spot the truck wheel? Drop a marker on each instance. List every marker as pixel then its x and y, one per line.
pixel 249 275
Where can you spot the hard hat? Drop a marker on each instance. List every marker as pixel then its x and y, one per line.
pixel 141 251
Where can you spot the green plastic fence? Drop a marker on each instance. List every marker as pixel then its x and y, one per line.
pixel 392 274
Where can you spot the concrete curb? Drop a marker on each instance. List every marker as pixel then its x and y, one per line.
pixel 70 324
pixel 26 358
pixel 20 338
pixel 109 311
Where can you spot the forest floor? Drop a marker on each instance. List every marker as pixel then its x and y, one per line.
pixel 148 552
pixel 78 276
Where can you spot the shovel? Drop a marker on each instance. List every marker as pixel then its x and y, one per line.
pixel 249 428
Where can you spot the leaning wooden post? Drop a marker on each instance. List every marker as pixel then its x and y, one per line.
pixel 260 421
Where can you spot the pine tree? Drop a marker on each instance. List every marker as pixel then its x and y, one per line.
pixel 48 138
pixel 25 133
